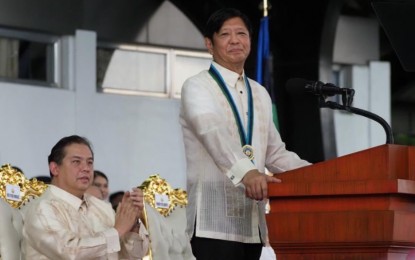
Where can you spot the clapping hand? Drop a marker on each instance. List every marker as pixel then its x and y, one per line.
pixel 128 212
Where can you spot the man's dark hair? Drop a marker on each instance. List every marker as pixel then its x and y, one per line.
pixel 218 18
pixel 101 174
pixel 58 151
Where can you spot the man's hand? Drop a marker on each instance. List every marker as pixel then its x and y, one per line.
pixel 256 184
pixel 126 215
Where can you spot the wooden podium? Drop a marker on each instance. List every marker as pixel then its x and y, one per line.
pixel 359 206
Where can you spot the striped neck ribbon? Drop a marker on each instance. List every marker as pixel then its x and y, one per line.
pixel 245 136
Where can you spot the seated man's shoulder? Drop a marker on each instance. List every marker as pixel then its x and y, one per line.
pixel 31 208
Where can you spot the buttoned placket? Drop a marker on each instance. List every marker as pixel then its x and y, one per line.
pixel 242 99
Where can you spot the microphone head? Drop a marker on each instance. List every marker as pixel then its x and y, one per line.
pixel 297 86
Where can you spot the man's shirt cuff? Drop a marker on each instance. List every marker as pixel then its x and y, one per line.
pixel 239 169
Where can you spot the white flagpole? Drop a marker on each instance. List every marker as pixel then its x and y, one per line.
pixel 265 8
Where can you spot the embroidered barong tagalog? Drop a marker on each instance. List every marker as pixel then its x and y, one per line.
pixel 245 136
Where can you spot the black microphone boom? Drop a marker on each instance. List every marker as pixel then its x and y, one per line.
pixel 297 86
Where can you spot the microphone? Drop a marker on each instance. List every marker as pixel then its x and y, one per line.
pixel 297 86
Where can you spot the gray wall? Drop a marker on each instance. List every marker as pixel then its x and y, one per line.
pixel 133 136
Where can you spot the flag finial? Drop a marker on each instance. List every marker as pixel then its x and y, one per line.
pixel 265 7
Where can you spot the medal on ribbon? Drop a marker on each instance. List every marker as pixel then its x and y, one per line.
pixel 246 138
pixel 248 150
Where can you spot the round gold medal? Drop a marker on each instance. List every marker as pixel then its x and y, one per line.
pixel 248 151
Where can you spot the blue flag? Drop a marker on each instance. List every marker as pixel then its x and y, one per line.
pixel 264 65
pixel 263 49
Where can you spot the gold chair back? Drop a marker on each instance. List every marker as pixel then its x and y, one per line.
pixel 157 189
pixel 16 189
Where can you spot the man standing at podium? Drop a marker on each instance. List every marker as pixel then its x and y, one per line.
pixel 230 139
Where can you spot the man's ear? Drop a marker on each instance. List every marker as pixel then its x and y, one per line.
pixel 53 168
pixel 209 45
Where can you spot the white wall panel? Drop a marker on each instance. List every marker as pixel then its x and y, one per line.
pixel 132 136
pixel 371 83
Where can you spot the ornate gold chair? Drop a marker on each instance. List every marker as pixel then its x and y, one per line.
pixel 9 235
pixel 165 220
pixel 15 191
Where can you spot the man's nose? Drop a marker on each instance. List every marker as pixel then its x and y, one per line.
pixel 86 166
pixel 234 38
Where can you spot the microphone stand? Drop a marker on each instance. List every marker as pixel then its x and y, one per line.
pixel 347 98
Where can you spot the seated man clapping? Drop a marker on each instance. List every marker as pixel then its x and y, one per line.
pixel 67 223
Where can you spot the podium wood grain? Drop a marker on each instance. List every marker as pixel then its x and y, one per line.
pixel 358 206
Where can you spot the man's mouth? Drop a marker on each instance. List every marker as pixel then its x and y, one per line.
pixel 84 179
